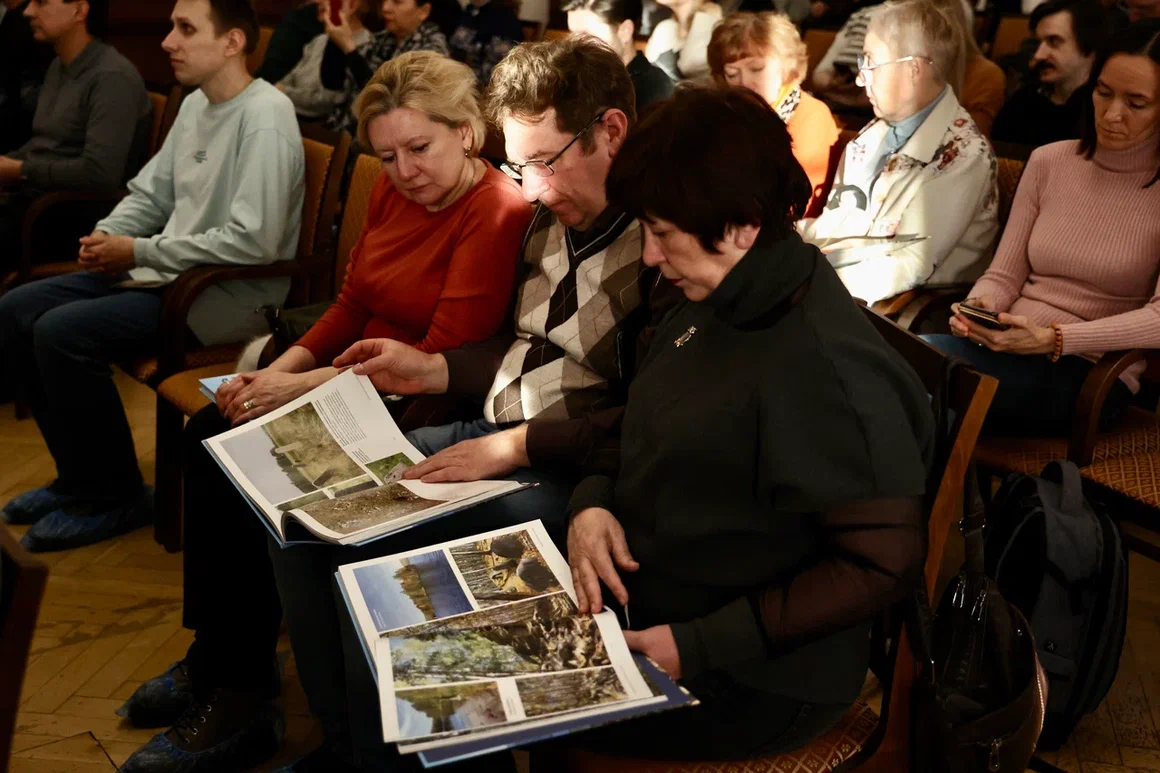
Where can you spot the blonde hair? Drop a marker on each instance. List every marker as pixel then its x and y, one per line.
pixel 442 89
pixel 922 28
pixel 744 34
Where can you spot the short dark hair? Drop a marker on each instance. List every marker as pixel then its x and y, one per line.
pixel 577 76
pixel 97 22
pixel 1140 38
pixel 709 158
pixel 1090 22
pixel 235 14
pixel 611 12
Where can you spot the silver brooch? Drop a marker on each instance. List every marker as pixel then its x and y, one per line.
pixel 684 338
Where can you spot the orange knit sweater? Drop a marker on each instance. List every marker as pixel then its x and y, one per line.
pixel 814 132
pixel 984 89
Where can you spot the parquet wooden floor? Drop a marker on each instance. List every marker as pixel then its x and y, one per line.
pixel 112 618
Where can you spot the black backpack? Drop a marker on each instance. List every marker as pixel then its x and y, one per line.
pixel 1061 563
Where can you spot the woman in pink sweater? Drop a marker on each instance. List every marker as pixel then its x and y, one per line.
pixel 1076 273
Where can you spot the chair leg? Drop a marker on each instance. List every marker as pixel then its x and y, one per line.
pixel 167 528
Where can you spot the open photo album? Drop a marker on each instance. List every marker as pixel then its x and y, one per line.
pixel 477 645
pixel 328 466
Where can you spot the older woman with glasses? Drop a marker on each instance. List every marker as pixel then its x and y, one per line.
pixel 915 200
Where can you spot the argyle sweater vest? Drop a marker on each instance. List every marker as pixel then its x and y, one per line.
pixel 570 312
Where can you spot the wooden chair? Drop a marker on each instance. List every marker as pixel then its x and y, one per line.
pixel 22 582
pixel 165 108
pixel 861 739
pixel 1011 32
pixel 532 30
pixel 254 59
pixel 178 394
pixel 818 42
pixel 555 34
pixel 324 169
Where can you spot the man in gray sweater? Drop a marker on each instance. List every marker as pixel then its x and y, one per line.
pixel 226 188
pixel 91 128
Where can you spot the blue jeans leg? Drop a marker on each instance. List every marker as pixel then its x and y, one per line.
pixel 57 339
pixel 1035 396
pixel 330 660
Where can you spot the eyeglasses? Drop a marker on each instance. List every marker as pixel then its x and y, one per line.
pixel 864 67
pixel 539 168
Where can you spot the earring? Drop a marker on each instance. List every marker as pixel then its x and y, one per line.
pixel 467 152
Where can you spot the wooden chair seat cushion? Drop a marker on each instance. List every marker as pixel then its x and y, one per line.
pixel 822 755
pixel 145 369
pixel 1136 476
pixel 1138 432
pixel 183 390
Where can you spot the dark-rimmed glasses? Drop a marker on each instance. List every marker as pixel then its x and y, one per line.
pixel 537 168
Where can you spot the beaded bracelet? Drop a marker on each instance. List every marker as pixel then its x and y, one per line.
pixel 1057 352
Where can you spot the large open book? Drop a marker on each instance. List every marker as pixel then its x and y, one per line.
pixel 329 465
pixel 477 645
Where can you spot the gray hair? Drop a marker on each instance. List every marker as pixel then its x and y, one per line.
pixel 920 28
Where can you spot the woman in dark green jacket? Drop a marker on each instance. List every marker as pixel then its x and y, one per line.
pixel 774 450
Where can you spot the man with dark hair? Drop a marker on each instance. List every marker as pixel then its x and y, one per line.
pixel 1050 109
pixel 225 188
pixel 23 63
pixel 614 22
pixel 91 127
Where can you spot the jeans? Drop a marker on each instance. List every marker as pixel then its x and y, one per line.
pixel 331 664
pixel 1035 396
pixel 231 601
pixel 58 337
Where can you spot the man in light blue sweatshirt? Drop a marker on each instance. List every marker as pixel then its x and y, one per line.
pixel 226 188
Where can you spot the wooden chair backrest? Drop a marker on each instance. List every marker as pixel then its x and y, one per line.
pixel 323 183
pixel 22 582
pixel 254 59
pixel 555 34
pixel 165 107
pixel 817 42
pixel 1012 31
pixel 532 30
pixel 1009 171
pixel 354 214
pixel 970 394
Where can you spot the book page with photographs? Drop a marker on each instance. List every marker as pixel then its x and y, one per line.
pixel 480 633
pixel 333 460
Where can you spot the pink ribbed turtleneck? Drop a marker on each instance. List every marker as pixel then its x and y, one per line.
pixel 1082 248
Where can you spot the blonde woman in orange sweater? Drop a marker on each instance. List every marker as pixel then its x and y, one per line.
pixel 764 53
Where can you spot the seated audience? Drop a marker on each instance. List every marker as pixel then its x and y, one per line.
pixel 764 610
pixel 614 23
pixel 564 108
pixel 981 86
pixel 764 53
pixel 23 63
pixel 679 45
pixel 434 268
pixel 487 30
pixel 93 116
pixel 915 199
pixel 303 84
pixel 226 188
pixel 347 67
pixel 297 27
pixel 1051 108
pixel 1076 272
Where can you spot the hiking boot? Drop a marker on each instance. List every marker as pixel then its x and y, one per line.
pixel 324 759
pixel 31 506
pixel 231 730
pixel 162 700
pixel 74 526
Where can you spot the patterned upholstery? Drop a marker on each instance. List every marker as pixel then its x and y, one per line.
pixel 1137 433
pixel 184 391
pixel 823 755
pixel 1136 476
pixel 1009 171
pixel 145 370
pixel 354 211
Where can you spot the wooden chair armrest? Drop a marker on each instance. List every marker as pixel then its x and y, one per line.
pixel 1090 403
pixel 181 294
pixel 891 307
pixel 928 303
pixel 43 204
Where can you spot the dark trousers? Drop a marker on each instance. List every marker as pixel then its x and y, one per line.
pixel 327 650
pixel 231 601
pixel 57 339
pixel 1035 396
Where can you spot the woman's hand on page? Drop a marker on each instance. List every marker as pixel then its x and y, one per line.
pixel 229 390
pixel 268 390
pixel 658 644
pixel 491 456
pixel 396 368
pixel 596 549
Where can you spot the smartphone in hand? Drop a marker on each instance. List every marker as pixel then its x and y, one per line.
pixel 980 316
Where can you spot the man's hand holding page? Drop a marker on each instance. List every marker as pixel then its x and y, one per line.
pixel 396 368
pixel 493 456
